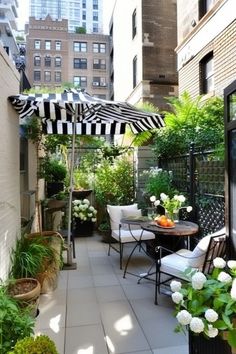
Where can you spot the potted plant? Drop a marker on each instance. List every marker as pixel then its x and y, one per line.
pixel 15 322
pixel 40 344
pixel 206 306
pixel 53 262
pixel 84 217
pixel 26 292
pixel 54 173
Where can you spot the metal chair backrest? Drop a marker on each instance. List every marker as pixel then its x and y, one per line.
pixel 217 248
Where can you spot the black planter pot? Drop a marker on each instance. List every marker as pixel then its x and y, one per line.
pixel 84 228
pixel 81 194
pixel 198 344
pixel 54 188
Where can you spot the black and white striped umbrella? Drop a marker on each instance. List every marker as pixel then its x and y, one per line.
pixel 76 112
pixel 92 116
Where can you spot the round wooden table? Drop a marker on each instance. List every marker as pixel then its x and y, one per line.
pixel 181 229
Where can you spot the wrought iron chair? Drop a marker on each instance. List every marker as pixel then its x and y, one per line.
pixel 124 234
pixel 173 264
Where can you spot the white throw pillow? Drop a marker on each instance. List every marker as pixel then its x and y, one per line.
pixel 131 213
pixel 115 213
pixel 199 252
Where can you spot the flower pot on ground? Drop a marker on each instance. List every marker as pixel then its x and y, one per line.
pixel 105 231
pixel 26 292
pixel 84 217
pixel 40 344
pixel 15 321
pixel 199 344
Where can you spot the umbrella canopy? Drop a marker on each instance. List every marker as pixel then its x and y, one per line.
pixel 92 116
pixel 76 112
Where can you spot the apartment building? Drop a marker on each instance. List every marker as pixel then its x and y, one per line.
pixel 143 58
pixel 80 13
pixel 8 15
pixel 206 46
pixel 54 56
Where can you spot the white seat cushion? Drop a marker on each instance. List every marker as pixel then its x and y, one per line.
pixel 174 264
pixel 126 236
pixel 115 213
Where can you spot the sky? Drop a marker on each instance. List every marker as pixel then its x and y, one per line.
pixel 23 12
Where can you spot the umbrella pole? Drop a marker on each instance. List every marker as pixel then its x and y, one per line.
pixel 69 252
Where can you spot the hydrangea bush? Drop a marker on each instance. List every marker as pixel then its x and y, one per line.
pixel 207 303
pixel 83 210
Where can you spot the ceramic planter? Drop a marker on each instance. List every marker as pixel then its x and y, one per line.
pixel 84 228
pixel 198 344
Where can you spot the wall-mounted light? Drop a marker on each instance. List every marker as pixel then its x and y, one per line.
pixel 193 23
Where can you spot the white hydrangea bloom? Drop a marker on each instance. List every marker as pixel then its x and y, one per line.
pixel 231 264
pixel 94 219
pixel 198 280
pixel 224 277
pixel 76 208
pixel 153 198
pixel 177 297
pixel 175 285
pixel 91 208
pixel 163 196
pixel 196 325
pixel 211 315
pixel 211 331
pixel 189 209
pixel 86 201
pixel 184 317
pixel 157 202
pixel 181 198
pixel 90 215
pixel 219 262
pixel 233 290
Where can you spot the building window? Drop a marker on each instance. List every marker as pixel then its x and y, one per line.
pixel 95 4
pixel 80 81
pixel 207 74
pixel 57 76
pixel 99 81
pixel 99 64
pixel 99 47
pixel 95 27
pixel 37 75
pixel 58 61
pixel 47 61
pixel 205 6
pixel 134 23
pixel 37 44
pixel 84 15
pixel 95 16
pixel 80 47
pixel 58 45
pixel 103 97
pixel 134 71
pixel 37 60
pixel 84 4
pixel 80 63
pixel 47 76
pixel 48 45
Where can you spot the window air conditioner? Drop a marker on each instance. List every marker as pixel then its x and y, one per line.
pixel 95 83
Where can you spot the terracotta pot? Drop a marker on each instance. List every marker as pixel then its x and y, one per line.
pixel 26 291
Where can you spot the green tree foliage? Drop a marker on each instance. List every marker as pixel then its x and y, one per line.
pixel 191 120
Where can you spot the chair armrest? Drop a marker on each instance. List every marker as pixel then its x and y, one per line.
pixel 159 250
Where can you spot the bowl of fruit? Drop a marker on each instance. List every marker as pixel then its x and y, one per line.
pixel 164 221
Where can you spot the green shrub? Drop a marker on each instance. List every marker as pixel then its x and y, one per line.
pixel 38 345
pixel 158 181
pixel 15 322
pixel 53 170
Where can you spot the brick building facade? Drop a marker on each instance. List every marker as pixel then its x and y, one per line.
pixel 54 56
pixel 143 55
pixel 206 46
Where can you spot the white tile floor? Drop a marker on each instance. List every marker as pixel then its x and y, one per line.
pixel 95 310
